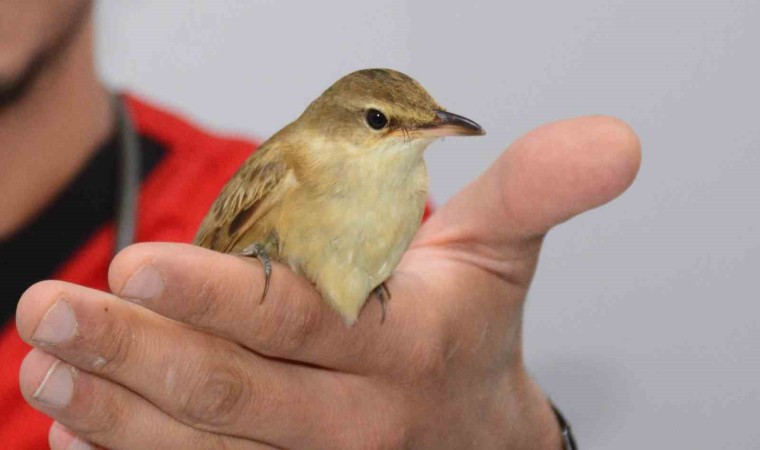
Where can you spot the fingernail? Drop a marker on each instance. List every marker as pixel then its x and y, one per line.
pixel 78 444
pixel 58 325
pixel 57 386
pixel 145 284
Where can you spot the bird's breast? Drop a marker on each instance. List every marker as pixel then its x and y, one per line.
pixel 365 227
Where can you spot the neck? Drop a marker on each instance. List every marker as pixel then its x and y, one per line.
pixel 50 132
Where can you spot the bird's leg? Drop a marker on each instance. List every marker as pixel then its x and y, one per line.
pixel 382 293
pixel 274 239
pixel 259 252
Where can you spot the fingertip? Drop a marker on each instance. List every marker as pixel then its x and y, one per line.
pixel 131 259
pixel 33 370
pixel 564 168
pixel 125 263
pixel 61 438
pixel 618 152
pixel 34 303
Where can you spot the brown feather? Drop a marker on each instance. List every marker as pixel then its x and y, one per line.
pixel 249 194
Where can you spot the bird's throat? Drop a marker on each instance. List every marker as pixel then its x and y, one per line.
pixel 393 161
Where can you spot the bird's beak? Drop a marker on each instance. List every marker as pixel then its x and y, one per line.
pixel 449 124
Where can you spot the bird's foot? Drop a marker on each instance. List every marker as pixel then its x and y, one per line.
pixel 382 294
pixel 259 252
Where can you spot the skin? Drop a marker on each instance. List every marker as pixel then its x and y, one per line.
pixel 47 82
pixel 182 355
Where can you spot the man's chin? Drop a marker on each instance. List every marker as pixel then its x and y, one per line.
pixel 15 83
pixel 21 64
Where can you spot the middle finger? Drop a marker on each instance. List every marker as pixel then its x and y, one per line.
pixel 199 379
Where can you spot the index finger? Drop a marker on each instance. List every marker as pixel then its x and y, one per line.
pixel 221 294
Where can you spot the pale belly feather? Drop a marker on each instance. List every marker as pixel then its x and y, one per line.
pixel 349 244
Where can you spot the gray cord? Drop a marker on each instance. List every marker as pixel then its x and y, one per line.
pixel 129 176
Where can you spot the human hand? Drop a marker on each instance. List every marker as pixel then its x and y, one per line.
pixel 194 361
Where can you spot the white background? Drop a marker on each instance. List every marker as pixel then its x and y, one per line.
pixel 643 319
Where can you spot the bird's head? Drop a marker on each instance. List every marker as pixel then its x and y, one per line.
pixel 381 110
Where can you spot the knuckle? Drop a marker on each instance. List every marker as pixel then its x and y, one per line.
pixel 301 326
pixel 217 398
pixel 287 330
pixel 208 300
pixel 428 361
pixel 430 358
pixel 112 343
pixel 102 420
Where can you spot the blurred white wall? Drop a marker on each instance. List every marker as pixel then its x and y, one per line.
pixel 643 319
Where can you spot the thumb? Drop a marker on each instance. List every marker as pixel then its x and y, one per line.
pixel 549 175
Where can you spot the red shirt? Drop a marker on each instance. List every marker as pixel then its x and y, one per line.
pixel 173 200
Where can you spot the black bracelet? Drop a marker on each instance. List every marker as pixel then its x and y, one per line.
pixel 568 440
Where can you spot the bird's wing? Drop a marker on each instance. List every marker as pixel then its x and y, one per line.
pixel 250 193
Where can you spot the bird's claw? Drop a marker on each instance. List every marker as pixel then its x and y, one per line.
pixel 259 252
pixel 382 294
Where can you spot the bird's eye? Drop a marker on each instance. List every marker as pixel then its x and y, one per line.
pixel 376 119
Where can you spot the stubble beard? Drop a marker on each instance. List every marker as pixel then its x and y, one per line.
pixel 14 89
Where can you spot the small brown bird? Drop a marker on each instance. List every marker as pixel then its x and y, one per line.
pixel 338 194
